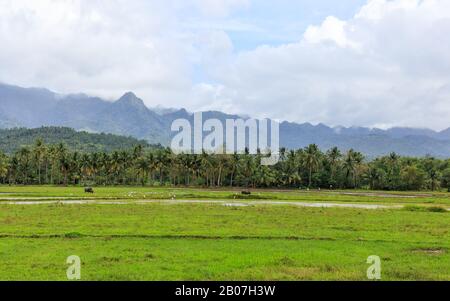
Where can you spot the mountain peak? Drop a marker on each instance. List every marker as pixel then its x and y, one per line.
pixel 129 94
pixel 130 98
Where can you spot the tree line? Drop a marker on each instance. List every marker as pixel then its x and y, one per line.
pixel 309 167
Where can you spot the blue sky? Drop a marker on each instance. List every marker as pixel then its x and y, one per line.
pixel 269 22
pixel 376 63
pixel 284 21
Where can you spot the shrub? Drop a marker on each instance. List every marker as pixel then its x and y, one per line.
pixel 435 209
pixel 73 235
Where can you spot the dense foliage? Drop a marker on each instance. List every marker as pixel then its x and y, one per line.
pixel 12 140
pixel 307 168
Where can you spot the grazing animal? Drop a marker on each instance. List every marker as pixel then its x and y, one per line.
pixel 88 190
pixel 246 193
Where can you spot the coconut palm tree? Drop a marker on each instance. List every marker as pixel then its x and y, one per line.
pixel 161 160
pixel 430 166
pixel 86 167
pixel 143 165
pixel 39 152
pixel 311 161
pixel 233 161
pixel 349 164
pixel 334 156
pixel 4 166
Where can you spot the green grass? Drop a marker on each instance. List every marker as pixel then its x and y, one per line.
pixel 225 259
pixel 213 242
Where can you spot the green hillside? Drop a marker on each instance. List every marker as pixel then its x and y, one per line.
pixel 12 139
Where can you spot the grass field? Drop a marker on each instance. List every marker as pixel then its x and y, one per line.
pixel 219 241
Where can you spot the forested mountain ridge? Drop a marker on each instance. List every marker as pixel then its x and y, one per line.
pixel 11 140
pixel 129 116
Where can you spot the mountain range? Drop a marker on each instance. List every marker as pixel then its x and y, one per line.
pixel 129 116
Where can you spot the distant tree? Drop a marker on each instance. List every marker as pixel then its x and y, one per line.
pixel 312 161
pixel 376 176
pixel 39 152
pixel 412 178
pixel 4 167
pixel 334 156
pixel 349 167
pixel 446 179
pixel 430 166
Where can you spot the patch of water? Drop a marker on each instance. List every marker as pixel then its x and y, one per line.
pixel 224 203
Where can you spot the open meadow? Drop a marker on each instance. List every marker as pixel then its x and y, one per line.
pixel 137 233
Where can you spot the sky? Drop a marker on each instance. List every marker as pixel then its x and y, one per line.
pixel 375 63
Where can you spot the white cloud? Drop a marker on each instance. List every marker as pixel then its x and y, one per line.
pixel 88 46
pixel 332 30
pixel 387 65
pixel 220 8
pixel 108 49
pixel 378 9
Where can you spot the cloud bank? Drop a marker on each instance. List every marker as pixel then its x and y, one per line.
pixel 388 65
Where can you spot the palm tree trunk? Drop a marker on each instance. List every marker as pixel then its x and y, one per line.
pixel 39 173
pixel 219 177
pixel 310 177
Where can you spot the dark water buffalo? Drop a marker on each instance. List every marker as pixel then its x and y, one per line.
pixel 88 190
pixel 246 193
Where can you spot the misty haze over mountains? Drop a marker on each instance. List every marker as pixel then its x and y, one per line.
pixel 33 107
